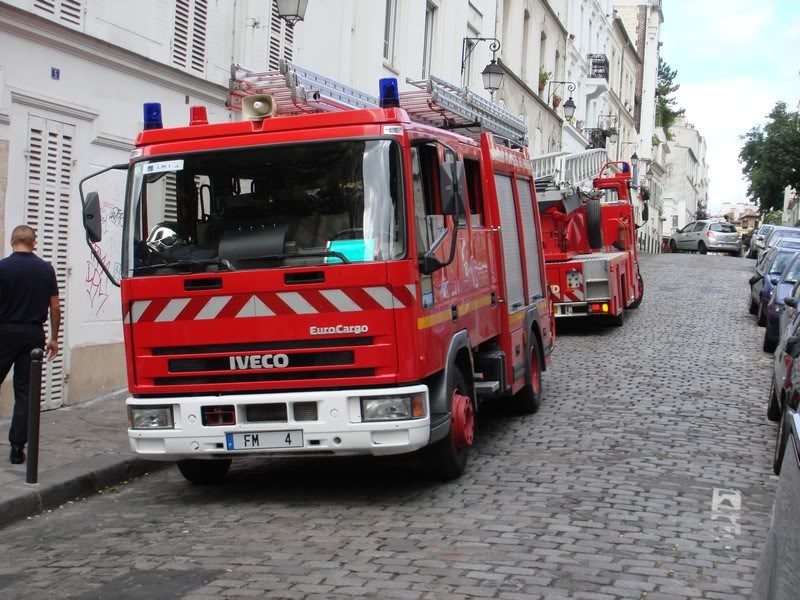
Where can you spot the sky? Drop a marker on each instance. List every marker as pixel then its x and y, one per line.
pixel 735 59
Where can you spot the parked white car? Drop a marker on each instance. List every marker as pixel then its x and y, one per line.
pixel 707 236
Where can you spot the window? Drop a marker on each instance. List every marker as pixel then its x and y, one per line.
pixel 389 31
pixel 274 206
pixel 281 39
pixel 526 34
pixel 543 51
pixel 674 221
pixel 470 60
pixel 723 227
pixel 189 35
pixel 427 48
pixel 472 171
pixel 699 227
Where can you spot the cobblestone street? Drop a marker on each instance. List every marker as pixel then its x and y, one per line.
pixel 645 474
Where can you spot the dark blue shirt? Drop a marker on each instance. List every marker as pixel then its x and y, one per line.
pixel 26 285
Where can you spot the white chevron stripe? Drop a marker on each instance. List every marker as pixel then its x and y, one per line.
pixel 261 309
pixel 213 308
pixel 297 303
pixel 412 287
pixel 384 297
pixel 248 310
pixel 577 293
pixel 172 310
pixel 340 300
pixel 137 310
pixel 127 319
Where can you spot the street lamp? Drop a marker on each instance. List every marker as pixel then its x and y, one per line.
pixel 569 108
pixel 493 73
pixel 613 134
pixel 292 11
pixel 634 159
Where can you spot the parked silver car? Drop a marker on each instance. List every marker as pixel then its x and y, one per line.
pixel 757 241
pixel 707 236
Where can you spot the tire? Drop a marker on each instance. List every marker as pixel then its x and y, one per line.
pixel 594 225
pixel 761 319
pixel 637 301
pixel 780 443
pixel 673 247
pixel 701 248
pixel 204 472
pixel 773 404
pixel 769 344
pixel 442 459
pixel 753 306
pixel 529 398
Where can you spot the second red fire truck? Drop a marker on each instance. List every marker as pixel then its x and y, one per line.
pixel 333 275
pixel 590 248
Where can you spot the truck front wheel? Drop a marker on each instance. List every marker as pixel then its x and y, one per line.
pixel 204 472
pixel 447 458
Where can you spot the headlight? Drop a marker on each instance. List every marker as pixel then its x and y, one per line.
pixel 151 417
pixel 393 408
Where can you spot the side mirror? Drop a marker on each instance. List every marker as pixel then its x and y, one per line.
pixel 451 185
pixel 91 217
pixel 755 279
pixel 790 301
pixel 774 280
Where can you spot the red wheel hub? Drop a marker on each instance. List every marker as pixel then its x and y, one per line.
pixel 536 374
pixel 463 421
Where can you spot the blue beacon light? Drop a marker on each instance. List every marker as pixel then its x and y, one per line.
pixel 152 116
pixel 389 96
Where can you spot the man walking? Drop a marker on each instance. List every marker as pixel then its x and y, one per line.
pixel 28 288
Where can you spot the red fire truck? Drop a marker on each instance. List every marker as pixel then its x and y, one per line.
pixel 334 275
pixel 590 248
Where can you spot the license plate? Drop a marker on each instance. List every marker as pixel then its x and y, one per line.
pixel 261 440
pixel 565 310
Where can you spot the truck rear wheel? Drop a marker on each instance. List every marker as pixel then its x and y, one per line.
pixel 204 472
pixel 594 225
pixel 529 398
pixel 637 301
pixel 447 458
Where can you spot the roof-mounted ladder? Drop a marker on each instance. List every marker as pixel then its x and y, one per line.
pixel 435 102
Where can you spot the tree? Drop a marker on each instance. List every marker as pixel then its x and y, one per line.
pixel 773 217
pixel 770 158
pixel 666 105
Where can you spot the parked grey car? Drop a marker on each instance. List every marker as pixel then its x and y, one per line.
pixel 757 241
pixel 707 236
pixel 777 236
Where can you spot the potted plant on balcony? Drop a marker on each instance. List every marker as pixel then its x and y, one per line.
pixel 556 101
pixel 544 76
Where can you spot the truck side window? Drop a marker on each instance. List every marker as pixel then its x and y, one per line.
pixel 427 211
pixel 472 169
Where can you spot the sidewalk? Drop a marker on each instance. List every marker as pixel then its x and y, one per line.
pixel 83 448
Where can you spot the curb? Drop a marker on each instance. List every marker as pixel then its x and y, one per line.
pixel 20 500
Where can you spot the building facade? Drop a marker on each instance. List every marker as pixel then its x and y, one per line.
pixel 71 91
pixel 686 189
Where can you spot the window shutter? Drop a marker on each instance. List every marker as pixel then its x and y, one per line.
pixel 68 12
pixel 50 146
pixel 189 36
pixel 281 39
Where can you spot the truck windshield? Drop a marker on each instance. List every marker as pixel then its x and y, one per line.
pixel 271 206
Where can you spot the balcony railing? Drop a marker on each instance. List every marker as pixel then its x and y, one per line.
pixel 598 66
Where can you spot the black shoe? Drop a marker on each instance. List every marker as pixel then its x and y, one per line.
pixel 17 456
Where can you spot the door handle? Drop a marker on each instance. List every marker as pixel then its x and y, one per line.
pixel 454 312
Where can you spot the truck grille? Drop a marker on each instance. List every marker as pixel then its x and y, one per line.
pixel 223 363
pixel 266 413
pixel 263 346
pixel 255 377
pixel 304 411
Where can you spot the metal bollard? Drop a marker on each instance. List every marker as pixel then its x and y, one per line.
pixel 34 412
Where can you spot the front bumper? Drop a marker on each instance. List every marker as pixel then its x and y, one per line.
pixel 337 430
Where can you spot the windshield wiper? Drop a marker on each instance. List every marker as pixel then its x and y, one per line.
pixel 323 253
pixel 186 263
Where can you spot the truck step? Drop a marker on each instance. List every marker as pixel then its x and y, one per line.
pixel 487 389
